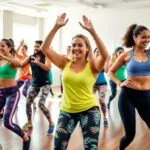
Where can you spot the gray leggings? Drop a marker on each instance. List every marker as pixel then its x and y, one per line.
pixel 31 95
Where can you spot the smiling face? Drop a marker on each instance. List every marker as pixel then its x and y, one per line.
pixel 79 48
pixel 142 40
pixel 4 48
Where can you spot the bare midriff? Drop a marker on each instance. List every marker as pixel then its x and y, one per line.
pixel 7 83
pixel 140 82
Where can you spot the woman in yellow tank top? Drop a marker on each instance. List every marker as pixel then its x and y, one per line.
pixel 78 77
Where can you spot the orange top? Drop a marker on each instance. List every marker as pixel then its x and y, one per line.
pixel 24 73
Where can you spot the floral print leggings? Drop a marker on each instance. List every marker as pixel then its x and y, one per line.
pixel 90 125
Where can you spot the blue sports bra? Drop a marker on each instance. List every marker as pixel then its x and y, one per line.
pixel 135 68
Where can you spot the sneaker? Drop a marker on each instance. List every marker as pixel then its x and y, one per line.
pixel 50 129
pixel 26 144
pixel 27 127
pixel 105 122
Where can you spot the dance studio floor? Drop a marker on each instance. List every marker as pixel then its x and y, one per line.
pixel 109 137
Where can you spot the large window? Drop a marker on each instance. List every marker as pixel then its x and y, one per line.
pixel 25 27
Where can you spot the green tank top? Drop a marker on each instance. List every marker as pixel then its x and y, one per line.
pixel 7 72
pixel 78 90
pixel 120 73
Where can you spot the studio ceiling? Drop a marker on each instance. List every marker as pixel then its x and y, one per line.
pixel 45 5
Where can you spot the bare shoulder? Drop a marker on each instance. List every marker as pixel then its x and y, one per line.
pixel 127 55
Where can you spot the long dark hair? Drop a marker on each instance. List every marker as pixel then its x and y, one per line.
pixel 11 46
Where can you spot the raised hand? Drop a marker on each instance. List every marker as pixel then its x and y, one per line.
pixel 87 24
pixel 21 42
pixel 61 20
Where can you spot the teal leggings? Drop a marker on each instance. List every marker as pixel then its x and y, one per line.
pixel 90 124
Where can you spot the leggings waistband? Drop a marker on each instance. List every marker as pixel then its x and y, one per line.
pixel 9 90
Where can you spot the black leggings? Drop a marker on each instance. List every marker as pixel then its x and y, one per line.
pixel 129 100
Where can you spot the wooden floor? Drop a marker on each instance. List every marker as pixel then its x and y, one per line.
pixel 109 137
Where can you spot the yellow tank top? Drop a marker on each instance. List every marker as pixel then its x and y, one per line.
pixel 78 90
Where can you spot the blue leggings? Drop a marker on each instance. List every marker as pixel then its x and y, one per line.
pixel 129 100
pixel 9 98
pixel 90 124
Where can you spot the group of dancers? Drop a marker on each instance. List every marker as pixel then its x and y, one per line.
pixel 82 76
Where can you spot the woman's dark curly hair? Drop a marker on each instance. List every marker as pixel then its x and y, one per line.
pixel 133 30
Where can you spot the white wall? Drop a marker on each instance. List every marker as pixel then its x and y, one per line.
pixel 27 28
pixel 20 27
pixel 110 24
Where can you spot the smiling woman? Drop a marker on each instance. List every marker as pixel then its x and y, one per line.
pixel 135 90
pixel 79 75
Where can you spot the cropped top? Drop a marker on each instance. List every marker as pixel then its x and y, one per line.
pixel 135 68
pixel 7 71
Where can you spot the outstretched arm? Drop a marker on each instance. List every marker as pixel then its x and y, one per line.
pixel 59 60
pixel 97 63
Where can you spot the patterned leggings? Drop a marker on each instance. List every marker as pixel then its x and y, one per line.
pixel 43 93
pixel 90 124
pixel 102 89
pixel 9 98
pixel 26 84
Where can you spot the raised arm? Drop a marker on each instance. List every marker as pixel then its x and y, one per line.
pixel 25 61
pixel 59 60
pixel 21 44
pixel 97 63
pixel 107 64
